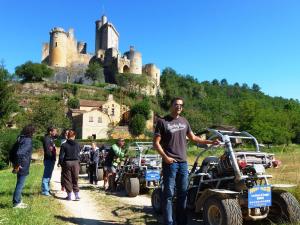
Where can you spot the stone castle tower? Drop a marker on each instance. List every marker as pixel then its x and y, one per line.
pixel 63 50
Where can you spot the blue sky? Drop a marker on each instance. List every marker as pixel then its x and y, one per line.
pixel 245 41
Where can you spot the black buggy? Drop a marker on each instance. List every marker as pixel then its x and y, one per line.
pixel 85 157
pixel 234 187
pixel 140 170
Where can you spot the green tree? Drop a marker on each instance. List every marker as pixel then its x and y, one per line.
pixel 95 72
pixel 73 103
pixel 142 108
pixel 133 82
pixel 224 82
pixel 256 87
pixel 137 125
pixel 7 103
pixel 7 139
pixel 48 112
pixel 30 71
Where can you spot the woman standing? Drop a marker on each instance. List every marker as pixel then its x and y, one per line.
pixel 22 163
pixel 69 160
pixel 93 163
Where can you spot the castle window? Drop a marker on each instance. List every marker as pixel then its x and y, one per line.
pixel 91 119
pixel 55 44
pixel 100 119
pixel 112 111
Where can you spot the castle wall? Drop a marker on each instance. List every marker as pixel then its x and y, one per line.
pixel 45 52
pixel 135 61
pixel 58 48
pixel 64 50
pixel 112 37
pixel 153 72
pixel 81 47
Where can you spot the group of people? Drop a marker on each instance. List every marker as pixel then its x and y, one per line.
pixel 170 141
pixel 68 160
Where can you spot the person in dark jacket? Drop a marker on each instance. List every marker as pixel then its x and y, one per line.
pixel 64 138
pixel 93 164
pixel 21 167
pixel 49 159
pixel 69 160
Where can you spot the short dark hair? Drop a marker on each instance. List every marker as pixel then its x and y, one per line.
pixel 175 99
pixel 28 130
pixel 71 133
pixel 51 128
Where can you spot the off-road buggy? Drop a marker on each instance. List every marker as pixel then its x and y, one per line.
pixel 85 158
pixel 234 187
pixel 140 170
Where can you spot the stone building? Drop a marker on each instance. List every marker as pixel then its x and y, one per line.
pixel 93 119
pixel 63 50
pixel 91 124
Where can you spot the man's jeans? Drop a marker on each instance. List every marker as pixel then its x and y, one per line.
pixel 18 190
pixel 48 169
pixel 175 174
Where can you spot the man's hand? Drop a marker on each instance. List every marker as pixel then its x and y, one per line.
pixel 215 142
pixel 169 160
pixel 16 169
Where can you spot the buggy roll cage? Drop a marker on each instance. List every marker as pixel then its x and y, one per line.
pixel 226 137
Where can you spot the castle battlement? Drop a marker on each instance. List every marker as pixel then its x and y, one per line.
pixel 63 51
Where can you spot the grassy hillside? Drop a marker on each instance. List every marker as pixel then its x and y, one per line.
pixel 42 210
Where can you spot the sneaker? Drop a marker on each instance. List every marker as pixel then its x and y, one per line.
pixel 68 198
pixel 46 193
pixel 77 198
pixel 20 205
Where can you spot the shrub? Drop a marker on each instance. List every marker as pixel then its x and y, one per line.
pixel 137 125
pixel 30 71
pixel 7 139
pixel 142 108
pixel 73 103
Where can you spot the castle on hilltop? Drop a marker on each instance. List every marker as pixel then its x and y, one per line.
pixel 64 51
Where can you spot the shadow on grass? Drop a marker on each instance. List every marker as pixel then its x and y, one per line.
pixel 11 192
pixel 5 205
pixel 77 220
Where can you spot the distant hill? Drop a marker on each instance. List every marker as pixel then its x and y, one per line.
pixel 271 119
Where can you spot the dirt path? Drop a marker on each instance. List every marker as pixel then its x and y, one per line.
pixel 84 211
pixel 101 208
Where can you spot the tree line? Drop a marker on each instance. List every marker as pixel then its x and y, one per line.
pixel 271 119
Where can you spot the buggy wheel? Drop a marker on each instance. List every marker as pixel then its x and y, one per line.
pixel 100 174
pixel 285 208
pixel 156 200
pixel 82 169
pixel 112 183
pixel 219 211
pixel 191 198
pixel 132 186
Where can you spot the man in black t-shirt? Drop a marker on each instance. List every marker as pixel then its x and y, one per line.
pixel 170 142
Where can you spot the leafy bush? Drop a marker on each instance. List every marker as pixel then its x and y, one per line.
pixel 30 71
pixel 73 103
pixel 95 72
pixel 137 125
pixel 142 108
pixel 7 139
pixel 48 112
pixel 7 102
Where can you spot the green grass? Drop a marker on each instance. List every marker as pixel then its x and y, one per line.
pixel 41 210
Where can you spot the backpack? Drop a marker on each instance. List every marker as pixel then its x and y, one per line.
pixel 13 152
